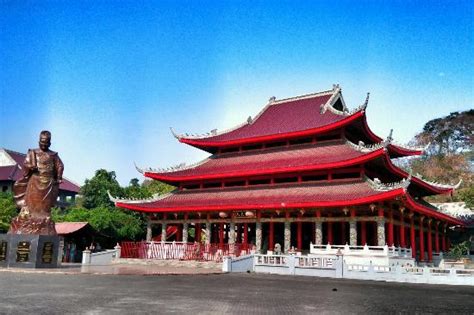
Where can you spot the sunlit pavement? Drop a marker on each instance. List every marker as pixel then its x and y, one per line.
pixel 50 293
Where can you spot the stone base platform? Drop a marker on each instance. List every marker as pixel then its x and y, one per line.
pixel 29 251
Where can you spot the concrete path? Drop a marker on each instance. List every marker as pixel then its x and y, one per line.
pixel 120 269
pixel 35 293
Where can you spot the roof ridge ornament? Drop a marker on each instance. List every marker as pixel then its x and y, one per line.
pixel 377 184
pixel 153 198
pixel 176 168
pixel 366 148
pixel 439 185
pixel 140 170
pixel 362 107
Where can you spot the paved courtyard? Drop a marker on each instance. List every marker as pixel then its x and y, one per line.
pixel 39 293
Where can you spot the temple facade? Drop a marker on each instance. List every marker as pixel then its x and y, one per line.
pixel 305 171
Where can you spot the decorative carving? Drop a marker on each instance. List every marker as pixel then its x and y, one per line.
pixel 376 184
pixel 258 237
pixel 353 233
pixel 287 237
pixel 381 232
pixel 318 233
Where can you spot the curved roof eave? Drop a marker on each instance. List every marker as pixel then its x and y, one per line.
pixel 333 165
pixel 274 137
pixel 411 203
pixel 428 186
pixel 376 198
pixel 392 147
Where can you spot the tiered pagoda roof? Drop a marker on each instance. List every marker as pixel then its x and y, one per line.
pixel 294 117
pixel 331 154
pixel 295 136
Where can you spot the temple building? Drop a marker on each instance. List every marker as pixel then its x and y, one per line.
pixel 306 170
pixel 11 164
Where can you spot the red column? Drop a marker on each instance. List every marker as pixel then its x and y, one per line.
pixel 412 235
pixel 221 235
pixel 299 232
pixel 329 232
pixel 402 229
pixel 179 233
pixel 363 233
pixel 422 239
pixel 270 235
pixel 197 232
pixel 246 233
pixel 430 242
pixel 437 237
pixel 390 228
pixel 343 232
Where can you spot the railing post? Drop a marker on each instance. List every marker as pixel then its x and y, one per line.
pixel 86 256
pixel 118 251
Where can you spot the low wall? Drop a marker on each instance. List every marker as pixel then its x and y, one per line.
pixel 337 267
pixel 100 258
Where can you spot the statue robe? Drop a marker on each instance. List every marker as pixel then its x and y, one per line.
pixel 38 189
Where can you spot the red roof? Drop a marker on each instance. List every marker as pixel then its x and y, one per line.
pixel 14 172
pixel 331 154
pixel 327 194
pixel 64 228
pixel 282 118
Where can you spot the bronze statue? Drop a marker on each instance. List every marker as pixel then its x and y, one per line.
pixel 37 191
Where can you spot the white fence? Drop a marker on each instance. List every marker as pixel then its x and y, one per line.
pixel 365 255
pixel 337 267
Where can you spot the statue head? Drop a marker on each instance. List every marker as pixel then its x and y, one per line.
pixel 45 140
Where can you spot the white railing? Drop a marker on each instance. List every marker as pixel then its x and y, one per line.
pixel 360 250
pixel 270 260
pixel 315 262
pixel 338 267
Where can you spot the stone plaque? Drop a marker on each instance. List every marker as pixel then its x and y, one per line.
pixel 47 254
pixel 3 250
pixel 23 252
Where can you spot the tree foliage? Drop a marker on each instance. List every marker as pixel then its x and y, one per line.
pixel 96 208
pixel 94 191
pixel 7 211
pixel 449 156
pixel 448 135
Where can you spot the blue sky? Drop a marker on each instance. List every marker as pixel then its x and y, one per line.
pixel 109 78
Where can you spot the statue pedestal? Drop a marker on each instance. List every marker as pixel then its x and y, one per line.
pixel 29 251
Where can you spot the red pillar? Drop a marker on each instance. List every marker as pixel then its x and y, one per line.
pixel 363 233
pixel 179 233
pixel 437 237
pixel 246 233
pixel 390 228
pixel 412 235
pixel 270 235
pixel 329 232
pixel 402 230
pixel 422 239
pixel 197 232
pixel 299 231
pixel 221 235
pixel 430 243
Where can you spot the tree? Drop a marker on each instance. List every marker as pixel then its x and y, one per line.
pixel 448 135
pixel 156 187
pixel 449 156
pixel 94 191
pixel 7 211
